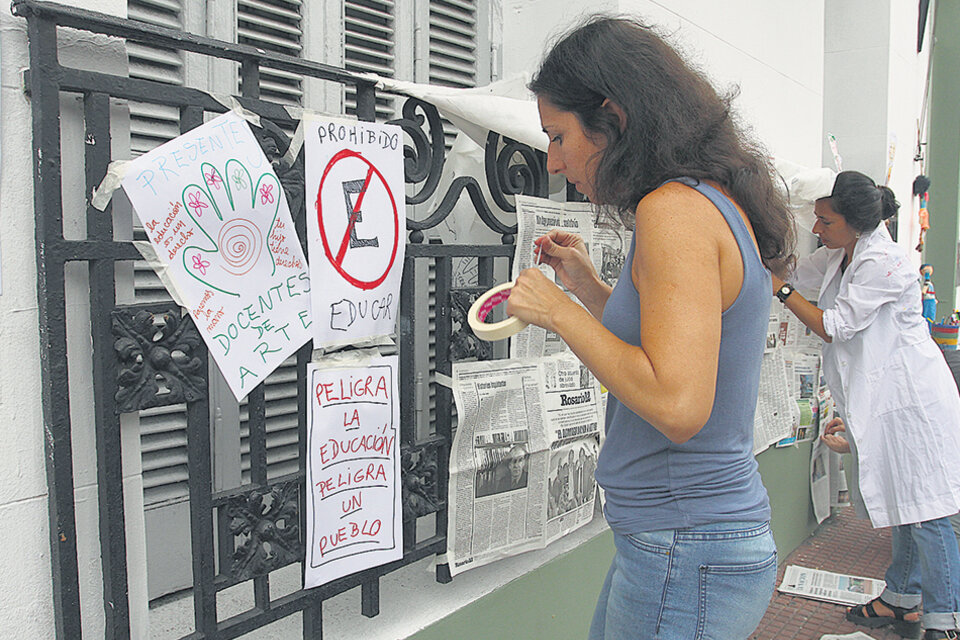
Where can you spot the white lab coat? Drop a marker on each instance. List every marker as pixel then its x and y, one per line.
pixel 890 381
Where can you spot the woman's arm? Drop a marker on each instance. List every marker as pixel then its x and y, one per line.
pixel 873 281
pixel 671 380
pixel 808 313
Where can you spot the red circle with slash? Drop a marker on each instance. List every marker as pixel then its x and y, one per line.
pixel 337 260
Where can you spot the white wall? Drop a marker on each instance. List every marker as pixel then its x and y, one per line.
pixel 907 84
pixel 874 83
pixel 772 49
pixel 25 571
pixel 805 69
pixel 25 579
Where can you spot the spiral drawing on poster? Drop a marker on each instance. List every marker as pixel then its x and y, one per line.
pixel 240 242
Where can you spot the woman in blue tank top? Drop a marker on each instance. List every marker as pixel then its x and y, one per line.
pixel 679 340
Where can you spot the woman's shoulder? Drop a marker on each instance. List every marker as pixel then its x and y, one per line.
pixel 880 247
pixel 676 200
pixel 885 258
pixel 669 191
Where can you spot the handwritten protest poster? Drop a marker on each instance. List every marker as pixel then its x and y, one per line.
pixel 354 180
pixel 219 223
pixel 354 516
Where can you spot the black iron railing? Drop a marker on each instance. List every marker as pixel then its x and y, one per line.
pixel 229 529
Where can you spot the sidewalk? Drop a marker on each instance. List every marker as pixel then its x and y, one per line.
pixel 843 544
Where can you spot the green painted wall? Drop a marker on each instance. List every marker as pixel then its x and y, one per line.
pixel 557 600
pixel 943 159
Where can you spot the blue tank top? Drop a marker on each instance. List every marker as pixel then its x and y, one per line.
pixel 652 483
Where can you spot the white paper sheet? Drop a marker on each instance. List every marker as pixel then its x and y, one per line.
pixel 356 226
pixel 354 514
pixel 219 223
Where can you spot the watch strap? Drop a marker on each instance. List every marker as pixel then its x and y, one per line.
pixel 784 292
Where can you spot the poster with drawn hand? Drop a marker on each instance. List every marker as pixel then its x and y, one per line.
pixel 355 223
pixel 218 221
pixel 354 514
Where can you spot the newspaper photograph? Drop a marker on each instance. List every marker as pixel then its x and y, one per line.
pixel 773 328
pixel 829 587
pixel 611 243
pixel 570 485
pixel 807 371
pixel 803 374
pixel 607 243
pixel 527 435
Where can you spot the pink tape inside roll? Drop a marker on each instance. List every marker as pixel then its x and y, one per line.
pixel 492 302
pixel 480 311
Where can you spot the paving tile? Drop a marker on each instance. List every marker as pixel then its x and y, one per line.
pixel 842 544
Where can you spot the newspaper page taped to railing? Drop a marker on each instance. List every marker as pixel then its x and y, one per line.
pixel 607 242
pixel 775 405
pixel 521 467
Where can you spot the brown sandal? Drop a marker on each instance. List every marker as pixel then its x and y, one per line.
pixel 866 616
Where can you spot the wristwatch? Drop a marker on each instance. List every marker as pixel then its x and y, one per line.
pixel 784 292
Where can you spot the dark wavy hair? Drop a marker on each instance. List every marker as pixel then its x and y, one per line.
pixel 861 201
pixel 676 125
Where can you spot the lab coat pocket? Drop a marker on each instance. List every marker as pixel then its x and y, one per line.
pixel 893 388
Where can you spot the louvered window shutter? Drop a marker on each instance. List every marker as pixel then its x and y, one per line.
pixel 273 25
pixel 163 438
pixel 369 47
pixel 152 125
pixel 453 43
pixel 454 38
pixel 453 48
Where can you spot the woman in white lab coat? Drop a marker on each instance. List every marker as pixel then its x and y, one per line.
pixel 897 398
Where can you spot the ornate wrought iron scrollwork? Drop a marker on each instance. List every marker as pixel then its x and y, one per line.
pixel 157 355
pixel 419 466
pixel 506 176
pixel 423 161
pixel 265 526
pixel 510 169
pixel 464 344
pixel 275 143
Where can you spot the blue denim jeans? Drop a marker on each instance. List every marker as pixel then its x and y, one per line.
pixel 708 582
pixel 926 562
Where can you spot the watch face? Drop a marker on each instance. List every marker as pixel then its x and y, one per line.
pixel 785 290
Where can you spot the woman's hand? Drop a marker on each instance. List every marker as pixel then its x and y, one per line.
pixel 831 439
pixel 567 254
pixel 535 299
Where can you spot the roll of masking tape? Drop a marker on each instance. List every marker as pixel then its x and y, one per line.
pixel 482 308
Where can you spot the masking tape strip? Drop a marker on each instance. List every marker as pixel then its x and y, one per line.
pixel 150 255
pixel 110 183
pixel 232 105
pixel 444 379
pixel 295 144
pixel 482 308
pixel 377 80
